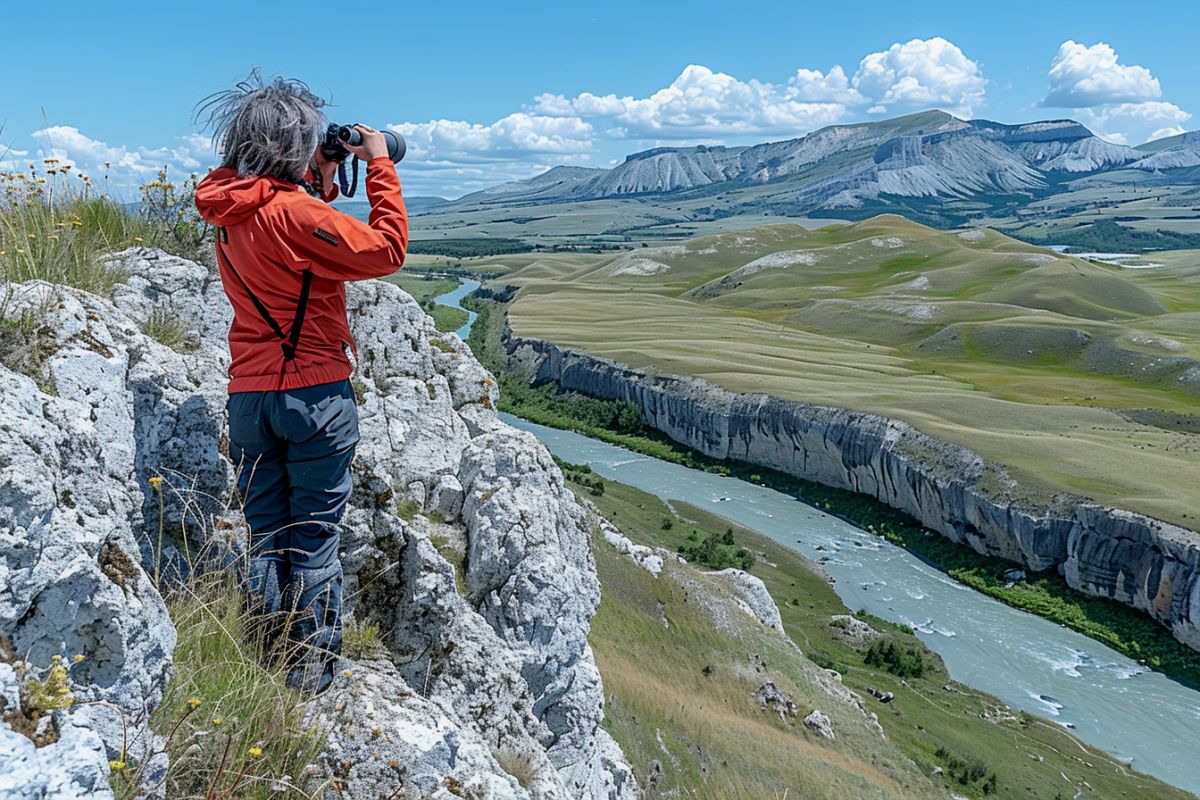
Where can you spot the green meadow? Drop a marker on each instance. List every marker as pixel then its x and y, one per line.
pixel 1082 378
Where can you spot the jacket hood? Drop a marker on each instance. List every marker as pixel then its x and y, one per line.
pixel 226 198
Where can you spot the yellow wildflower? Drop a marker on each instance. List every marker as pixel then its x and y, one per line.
pixel 138 239
pixel 218 721
pixel 155 481
pixel 116 765
pixel 77 658
pixel 194 702
pixel 255 752
pixel 77 223
pixel 33 236
pixel 53 237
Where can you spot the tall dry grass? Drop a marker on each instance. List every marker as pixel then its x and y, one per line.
pixel 56 226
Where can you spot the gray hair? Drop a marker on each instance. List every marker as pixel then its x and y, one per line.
pixel 265 128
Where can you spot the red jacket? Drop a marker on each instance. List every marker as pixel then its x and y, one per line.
pixel 275 232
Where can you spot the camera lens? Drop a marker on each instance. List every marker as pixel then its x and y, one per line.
pixel 351 136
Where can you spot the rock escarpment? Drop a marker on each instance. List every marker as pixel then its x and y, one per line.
pixel 1137 560
pixel 486 683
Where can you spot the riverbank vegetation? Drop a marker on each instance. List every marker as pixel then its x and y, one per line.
pixel 677 686
pixel 1047 594
pixel 424 288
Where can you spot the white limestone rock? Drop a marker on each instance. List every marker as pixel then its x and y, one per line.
pixel 446 496
pixel 505 668
pixel 531 573
pixel 71 581
pixel 752 596
pixel 648 558
pixel 384 735
pixel 818 722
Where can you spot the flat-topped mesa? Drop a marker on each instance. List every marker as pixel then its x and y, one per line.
pixel 1114 553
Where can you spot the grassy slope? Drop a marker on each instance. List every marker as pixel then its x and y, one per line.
pixel 1034 363
pixel 655 688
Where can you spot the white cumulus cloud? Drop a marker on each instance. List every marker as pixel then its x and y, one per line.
pixel 1134 123
pixel 71 146
pixel 1084 77
pixel 919 74
pixel 1118 102
pixel 454 157
pixel 701 102
pixel 515 135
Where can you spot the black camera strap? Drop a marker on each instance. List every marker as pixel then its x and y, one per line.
pixel 348 187
pixel 291 339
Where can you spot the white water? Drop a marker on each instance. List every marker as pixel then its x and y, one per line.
pixel 1108 700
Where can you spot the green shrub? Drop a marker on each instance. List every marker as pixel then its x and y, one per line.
pixel 26 343
pixel 716 551
pixel 969 772
pixel 361 639
pixel 904 662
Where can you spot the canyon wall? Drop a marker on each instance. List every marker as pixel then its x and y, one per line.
pixel 1109 552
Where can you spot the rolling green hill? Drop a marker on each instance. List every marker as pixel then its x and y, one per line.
pixel 1079 376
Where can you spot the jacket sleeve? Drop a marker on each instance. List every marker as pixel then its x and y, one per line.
pixel 338 246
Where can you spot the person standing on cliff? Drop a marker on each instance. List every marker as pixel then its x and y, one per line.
pixel 284 256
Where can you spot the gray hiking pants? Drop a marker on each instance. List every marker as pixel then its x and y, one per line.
pixel 293 450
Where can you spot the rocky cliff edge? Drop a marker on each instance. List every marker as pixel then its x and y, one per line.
pixel 481 668
pixel 1113 553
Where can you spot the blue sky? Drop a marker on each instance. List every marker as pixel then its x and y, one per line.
pixel 487 93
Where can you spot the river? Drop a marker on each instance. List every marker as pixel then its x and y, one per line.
pixel 1108 700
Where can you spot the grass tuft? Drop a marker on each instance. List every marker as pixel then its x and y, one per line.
pixel 361 640
pixel 231 726
pixel 168 328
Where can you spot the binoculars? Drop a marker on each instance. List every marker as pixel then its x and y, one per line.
pixel 333 148
pixel 336 136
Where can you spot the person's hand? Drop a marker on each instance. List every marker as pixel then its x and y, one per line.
pixel 373 144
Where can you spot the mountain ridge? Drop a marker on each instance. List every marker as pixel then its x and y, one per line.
pixel 1046 177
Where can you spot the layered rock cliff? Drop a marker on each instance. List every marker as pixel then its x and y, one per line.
pixel 1113 553
pixel 485 661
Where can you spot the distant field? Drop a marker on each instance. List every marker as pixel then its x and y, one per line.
pixel 1080 377
pixel 622 221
